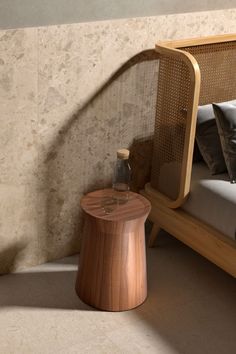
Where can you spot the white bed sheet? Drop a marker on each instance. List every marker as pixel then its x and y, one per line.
pixel 212 200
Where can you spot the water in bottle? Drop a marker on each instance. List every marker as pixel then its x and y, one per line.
pixel 122 177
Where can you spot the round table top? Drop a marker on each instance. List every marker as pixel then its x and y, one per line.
pixel 102 205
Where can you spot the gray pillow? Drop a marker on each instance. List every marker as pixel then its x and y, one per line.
pixel 225 114
pixel 197 156
pixel 208 140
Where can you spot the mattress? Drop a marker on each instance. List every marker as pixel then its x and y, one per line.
pixel 212 200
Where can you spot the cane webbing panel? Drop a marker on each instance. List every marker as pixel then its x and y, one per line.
pixel 172 102
pixel 217 63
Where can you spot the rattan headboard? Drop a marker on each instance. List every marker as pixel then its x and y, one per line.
pixel 192 72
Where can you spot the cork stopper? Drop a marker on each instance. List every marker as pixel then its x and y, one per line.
pixel 123 154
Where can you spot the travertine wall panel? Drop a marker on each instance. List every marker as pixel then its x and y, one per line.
pixel 69 97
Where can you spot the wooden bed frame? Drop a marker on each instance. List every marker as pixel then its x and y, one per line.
pixel 191 72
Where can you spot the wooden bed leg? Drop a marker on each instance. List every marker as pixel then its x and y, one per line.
pixel 153 235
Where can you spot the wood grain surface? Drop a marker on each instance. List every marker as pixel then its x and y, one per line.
pixel 136 207
pixel 112 268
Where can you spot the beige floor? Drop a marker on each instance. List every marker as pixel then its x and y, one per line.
pixel 190 309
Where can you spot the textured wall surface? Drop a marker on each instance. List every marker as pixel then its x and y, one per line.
pixel 30 13
pixel 63 114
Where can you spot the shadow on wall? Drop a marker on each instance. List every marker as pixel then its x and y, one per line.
pixel 11 256
pixel 81 157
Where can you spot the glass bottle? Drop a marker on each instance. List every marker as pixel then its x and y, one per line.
pixel 122 177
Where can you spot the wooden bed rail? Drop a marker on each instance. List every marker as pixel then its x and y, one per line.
pixel 192 42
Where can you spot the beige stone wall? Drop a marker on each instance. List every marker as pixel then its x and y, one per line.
pixel 63 114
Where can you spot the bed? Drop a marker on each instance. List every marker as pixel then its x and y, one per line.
pixel 192 73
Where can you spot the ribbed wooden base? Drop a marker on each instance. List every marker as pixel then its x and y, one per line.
pixel 112 269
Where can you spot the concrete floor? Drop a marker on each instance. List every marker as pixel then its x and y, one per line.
pixel 190 309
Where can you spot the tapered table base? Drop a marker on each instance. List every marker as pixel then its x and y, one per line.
pixel 112 268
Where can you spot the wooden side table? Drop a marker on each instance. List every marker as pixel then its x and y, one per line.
pixel 112 267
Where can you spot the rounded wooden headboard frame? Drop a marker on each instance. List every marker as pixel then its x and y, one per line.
pixel 178 97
